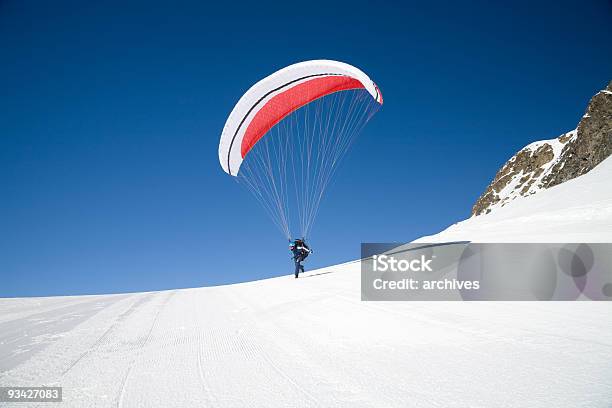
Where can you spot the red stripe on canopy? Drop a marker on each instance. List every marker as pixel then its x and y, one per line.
pixel 290 100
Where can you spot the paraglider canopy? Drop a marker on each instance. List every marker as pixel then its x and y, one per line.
pixel 276 96
pixel 287 133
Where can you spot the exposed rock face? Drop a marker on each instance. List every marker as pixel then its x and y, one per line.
pixel 547 163
pixel 593 144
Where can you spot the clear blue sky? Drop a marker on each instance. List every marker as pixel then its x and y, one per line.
pixel 110 117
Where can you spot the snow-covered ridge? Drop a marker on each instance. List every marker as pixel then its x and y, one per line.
pixel 579 210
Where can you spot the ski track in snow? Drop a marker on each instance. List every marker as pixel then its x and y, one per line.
pixel 142 344
pixel 104 335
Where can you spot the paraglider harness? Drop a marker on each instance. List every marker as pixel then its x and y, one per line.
pixel 300 252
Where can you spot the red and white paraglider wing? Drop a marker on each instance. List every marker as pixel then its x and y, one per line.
pixel 270 100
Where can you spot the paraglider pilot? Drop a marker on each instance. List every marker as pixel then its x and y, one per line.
pixel 300 251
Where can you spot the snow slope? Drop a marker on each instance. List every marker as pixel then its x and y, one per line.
pixel 311 342
pixel 579 210
pixel 307 343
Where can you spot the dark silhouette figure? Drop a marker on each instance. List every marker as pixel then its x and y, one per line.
pixel 300 252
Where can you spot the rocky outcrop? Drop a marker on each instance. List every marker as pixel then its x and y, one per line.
pixel 547 163
pixel 593 144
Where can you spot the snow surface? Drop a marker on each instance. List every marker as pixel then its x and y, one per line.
pixel 311 342
pixel 579 210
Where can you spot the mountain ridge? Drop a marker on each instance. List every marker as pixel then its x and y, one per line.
pixel 547 163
